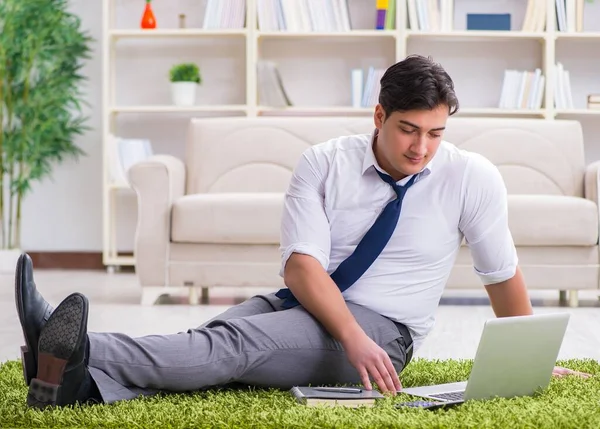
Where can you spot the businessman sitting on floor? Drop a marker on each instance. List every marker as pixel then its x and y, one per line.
pixel 370 230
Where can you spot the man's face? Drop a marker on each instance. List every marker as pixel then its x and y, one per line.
pixel 408 140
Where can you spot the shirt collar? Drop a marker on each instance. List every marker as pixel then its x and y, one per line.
pixel 370 161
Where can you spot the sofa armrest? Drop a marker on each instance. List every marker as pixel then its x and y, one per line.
pixel 591 179
pixel 158 182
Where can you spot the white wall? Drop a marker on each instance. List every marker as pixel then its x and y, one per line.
pixel 65 213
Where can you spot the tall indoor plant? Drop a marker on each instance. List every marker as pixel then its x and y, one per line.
pixel 42 47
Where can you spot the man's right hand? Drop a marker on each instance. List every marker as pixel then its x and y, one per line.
pixel 371 360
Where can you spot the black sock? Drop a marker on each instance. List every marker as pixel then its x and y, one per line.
pixel 88 391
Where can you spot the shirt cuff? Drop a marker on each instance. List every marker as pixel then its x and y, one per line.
pixel 497 276
pixel 305 249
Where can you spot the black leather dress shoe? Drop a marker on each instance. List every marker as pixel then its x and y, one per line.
pixel 62 374
pixel 33 312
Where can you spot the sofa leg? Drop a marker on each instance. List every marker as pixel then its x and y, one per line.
pixel 562 295
pixel 573 299
pixel 151 293
pixel 204 296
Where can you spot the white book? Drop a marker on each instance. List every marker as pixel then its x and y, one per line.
pixel 580 5
pixel 568 91
pixel 421 14
pixel 434 15
pixel 306 25
pixel 534 89
pixel 571 12
pixel 368 87
pixel 540 92
pixel 528 19
pixel 345 11
pixel 413 18
pixel 560 14
pixel 280 23
pixel 504 91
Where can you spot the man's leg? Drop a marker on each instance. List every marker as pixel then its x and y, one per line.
pixel 268 348
pixel 110 390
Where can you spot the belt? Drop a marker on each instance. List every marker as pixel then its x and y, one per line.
pixel 408 341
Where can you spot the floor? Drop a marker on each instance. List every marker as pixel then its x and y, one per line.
pixel 114 306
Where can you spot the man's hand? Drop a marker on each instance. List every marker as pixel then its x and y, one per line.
pixel 370 359
pixel 561 372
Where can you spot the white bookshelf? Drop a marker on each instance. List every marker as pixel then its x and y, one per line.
pixel 317 81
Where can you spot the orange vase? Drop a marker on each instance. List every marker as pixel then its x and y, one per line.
pixel 148 19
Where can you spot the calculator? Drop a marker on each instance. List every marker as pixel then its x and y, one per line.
pixel 430 405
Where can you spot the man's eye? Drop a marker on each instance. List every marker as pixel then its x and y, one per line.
pixel 407 131
pixel 436 135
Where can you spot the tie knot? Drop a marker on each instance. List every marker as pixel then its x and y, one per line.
pixel 399 189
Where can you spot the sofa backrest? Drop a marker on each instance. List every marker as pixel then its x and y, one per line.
pixel 258 154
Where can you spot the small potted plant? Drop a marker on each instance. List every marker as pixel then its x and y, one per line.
pixel 185 78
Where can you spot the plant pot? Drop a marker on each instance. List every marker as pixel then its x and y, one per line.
pixel 8 260
pixel 184 93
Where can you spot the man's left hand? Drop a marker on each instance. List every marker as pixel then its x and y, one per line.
pixel 561 372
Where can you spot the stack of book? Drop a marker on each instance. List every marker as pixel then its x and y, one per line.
pixel 303 15
pixel 535 16
pixel 335 396
pixel 522 89
pixel 224 14
pixel 429 15
pixel 123 153
pixel 593 101
pixel 569 15
pixel 270 86
pixel 365 92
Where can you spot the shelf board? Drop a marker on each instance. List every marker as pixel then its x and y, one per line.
pixel 120 261
pixel 328 35
pixel 176 32
pixel 339 110
pixel 475 35
pixel 495 111
pixel 578 112
pixel 178 109
pixel 119 187
pixel 586 35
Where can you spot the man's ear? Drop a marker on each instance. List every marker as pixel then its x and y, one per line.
pixel 379 116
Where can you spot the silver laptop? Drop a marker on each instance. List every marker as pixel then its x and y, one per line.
pixel 515 357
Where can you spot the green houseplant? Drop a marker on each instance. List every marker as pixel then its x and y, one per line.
pixel 185 78
pixel 41 50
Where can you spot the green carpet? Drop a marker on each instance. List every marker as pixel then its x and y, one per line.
pixel 569 402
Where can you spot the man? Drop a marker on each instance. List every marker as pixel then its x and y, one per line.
pixel 370 230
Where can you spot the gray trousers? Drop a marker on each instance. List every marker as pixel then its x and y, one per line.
pixel 254 343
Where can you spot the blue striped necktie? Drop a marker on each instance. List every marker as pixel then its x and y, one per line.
pixel 369 247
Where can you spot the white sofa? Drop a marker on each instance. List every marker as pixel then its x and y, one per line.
pixel 213 219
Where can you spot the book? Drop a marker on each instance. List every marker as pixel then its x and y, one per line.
pixel 332 396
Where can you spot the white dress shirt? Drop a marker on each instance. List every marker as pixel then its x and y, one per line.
pixel 335 195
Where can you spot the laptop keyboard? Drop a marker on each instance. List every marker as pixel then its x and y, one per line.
pixel 450 396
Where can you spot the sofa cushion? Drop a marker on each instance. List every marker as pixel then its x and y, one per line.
pixel 255 218
pixel 241 218
pixel 550 220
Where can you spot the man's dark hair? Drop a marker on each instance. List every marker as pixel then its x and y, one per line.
pixel 416 83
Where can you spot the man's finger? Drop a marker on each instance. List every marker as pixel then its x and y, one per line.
pixel 393 373
pixel 364 376
pixel 377 377
pixel 387 377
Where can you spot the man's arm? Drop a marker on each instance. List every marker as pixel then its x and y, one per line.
pixel 305 246
pixel 484 223
pixel 510 297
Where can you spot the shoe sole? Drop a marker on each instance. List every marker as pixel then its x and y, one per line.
pixel 57 343
pixel 27 355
